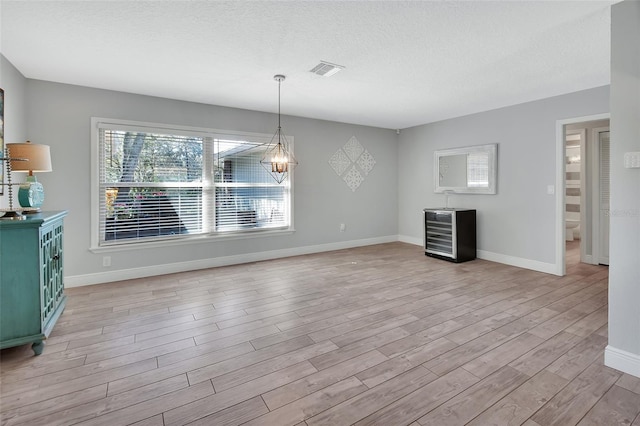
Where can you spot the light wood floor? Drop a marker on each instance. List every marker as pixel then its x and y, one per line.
pixel 373 335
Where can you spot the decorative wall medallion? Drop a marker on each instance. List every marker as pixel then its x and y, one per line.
pixel 353 148
pixel 353 178
pixel 352 154
pixel 340 162
pixel 366 162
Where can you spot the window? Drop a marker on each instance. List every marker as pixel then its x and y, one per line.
pixel 158 183
pixel 478 169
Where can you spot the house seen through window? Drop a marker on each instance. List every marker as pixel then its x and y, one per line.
pixel 159 184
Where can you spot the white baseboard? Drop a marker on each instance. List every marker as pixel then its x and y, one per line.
pixel 548 268
pixel 622 360
pixel 411 240
pixel 171 268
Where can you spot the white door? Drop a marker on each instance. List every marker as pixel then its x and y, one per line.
pixel 604 197
pixel 600 205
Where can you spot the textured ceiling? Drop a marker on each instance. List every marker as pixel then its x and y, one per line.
pixel 407 63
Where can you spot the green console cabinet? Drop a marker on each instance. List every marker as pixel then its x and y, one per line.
pixel 31 278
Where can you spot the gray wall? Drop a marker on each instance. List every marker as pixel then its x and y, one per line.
pixel 519 221
pixel 59 115
pixel 15 127
pixel 624 274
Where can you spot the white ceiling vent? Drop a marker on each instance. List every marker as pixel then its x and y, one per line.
pixel 326 69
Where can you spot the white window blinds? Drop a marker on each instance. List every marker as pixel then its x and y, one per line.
pixel 159 184
pixel 478 169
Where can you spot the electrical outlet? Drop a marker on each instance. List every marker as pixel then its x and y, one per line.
pixel 343 227
pixel 106 261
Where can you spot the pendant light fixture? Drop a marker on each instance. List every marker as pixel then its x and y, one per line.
pixel 278 160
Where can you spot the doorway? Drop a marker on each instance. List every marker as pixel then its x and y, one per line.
pixel 583 195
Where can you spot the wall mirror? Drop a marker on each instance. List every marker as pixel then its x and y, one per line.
pixel 468 170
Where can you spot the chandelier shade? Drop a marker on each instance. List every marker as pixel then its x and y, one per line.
pixel 278 160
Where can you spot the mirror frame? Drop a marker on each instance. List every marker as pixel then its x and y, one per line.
pixel 491 149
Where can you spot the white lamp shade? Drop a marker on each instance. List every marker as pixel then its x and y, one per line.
pixel 38 157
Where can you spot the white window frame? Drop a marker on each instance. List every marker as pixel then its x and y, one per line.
pixel 98 122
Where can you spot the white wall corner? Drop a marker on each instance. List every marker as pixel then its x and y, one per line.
pixel 622 360
pixel 171 268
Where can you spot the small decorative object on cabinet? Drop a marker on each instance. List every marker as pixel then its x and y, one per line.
pixel 450 234
pixel 31 279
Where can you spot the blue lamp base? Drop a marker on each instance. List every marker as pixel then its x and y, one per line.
pixel 31 194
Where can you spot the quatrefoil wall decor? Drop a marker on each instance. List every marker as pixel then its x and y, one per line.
pixel 352 163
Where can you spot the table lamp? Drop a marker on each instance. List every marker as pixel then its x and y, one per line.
pixel 38 159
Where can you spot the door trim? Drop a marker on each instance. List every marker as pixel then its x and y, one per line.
pixel 596 202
